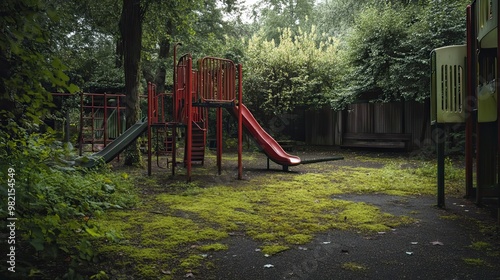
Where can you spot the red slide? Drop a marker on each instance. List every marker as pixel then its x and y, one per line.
pixel 267 143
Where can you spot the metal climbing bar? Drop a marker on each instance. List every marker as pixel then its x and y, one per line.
pixel 216 80
pixel 180 88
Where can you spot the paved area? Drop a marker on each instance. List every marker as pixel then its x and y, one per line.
pixel 459 242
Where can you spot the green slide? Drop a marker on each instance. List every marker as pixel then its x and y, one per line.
pixel 116 147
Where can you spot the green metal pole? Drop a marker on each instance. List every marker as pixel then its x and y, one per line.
pixel 440 141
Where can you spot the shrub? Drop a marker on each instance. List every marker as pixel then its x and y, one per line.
pixel 55 203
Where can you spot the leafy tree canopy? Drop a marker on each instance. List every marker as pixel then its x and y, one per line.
pixel 389 46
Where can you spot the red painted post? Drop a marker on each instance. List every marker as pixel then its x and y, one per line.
pixel 189 109
pixel 80 146
pixel 219 140
pixel 240 122
pixel 105 121
pixel 150 120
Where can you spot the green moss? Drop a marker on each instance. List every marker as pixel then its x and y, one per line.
pixel 274 249
pixel 352 266
pixel 475 262
pixel 390 179
pixel 264 236
pixel 480 245
pixel 298 239
pixel 369 218
pixel 214 247
pixel 191 262
pixel 275 209
pixel 451 217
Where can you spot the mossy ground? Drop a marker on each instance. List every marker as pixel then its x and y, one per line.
pixel 176 223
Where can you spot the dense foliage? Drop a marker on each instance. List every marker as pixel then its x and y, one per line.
pixel 389 48
pixel 301 70
pixel 54 205
pixel 29 65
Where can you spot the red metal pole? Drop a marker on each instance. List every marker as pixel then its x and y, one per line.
pixel 80 146
pixel 105 121
pixel 219 140
pixel 189 108
pixel 150 120
pixel 240 122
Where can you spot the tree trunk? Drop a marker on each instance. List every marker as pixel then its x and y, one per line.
pixel 163 55
pixel 131 33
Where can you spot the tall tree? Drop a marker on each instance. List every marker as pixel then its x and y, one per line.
pixel 131 33
pixel 277 15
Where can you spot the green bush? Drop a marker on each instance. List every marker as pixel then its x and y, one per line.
pixel 55 203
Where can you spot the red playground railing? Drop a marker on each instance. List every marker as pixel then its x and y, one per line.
pixel 216 80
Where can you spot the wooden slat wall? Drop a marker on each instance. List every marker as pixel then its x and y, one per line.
pixel 416 114
pixel 359 118
pixel 321 127
pixel 387 118
pixel 325 127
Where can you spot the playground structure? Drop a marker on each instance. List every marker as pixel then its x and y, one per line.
pixel 215 83
pixel 464 89
pixel 102 119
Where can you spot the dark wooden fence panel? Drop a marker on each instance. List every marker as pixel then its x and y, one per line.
pixel 321 127
pixel 326 127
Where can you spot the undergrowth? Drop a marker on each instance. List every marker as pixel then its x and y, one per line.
pixel 55 205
